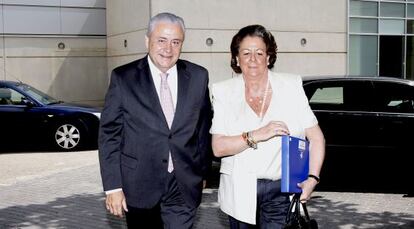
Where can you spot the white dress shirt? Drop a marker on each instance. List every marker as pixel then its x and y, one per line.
pixel 172 80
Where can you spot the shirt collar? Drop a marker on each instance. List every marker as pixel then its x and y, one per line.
pixel 155 71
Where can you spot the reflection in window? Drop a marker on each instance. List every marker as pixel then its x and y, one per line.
pixel 388 26
pixel 333 95
pixel 5 96
pixel 363 25
pixel 363 52
pixel 392 9
pixel 401 106
pixel 10 97
pixel 410 10
pixel 329 98
pixel 359 8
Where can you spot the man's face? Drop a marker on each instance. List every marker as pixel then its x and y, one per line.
pixel 164 45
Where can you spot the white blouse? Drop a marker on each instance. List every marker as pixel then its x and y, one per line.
pixel 233 116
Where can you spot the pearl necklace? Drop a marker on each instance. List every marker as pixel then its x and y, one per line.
pixel 262 101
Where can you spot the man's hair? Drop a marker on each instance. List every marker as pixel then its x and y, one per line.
pixel 165 17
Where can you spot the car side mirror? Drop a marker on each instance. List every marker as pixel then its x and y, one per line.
pixel 27 102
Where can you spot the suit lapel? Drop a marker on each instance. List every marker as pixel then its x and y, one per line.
pixel 147 86
pixel 183 78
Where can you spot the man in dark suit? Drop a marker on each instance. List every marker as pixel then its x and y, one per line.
pixel 154 145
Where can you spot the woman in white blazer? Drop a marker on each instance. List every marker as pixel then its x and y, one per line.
pixel 251 112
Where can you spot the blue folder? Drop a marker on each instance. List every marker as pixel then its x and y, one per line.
pixel 295 163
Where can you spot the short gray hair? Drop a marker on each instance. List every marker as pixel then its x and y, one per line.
pixel 165 17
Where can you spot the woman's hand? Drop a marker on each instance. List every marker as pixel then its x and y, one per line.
pixel 272 129
pixel 307 187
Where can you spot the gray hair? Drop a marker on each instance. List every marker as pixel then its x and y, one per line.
pixel 164 17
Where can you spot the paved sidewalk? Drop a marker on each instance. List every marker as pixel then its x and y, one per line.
pixel 73 199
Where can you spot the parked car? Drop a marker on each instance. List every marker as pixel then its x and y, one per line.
pixel 368 123
pixel 31 117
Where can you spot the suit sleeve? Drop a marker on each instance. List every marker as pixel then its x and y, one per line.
pixel 110 136
pixel 204 135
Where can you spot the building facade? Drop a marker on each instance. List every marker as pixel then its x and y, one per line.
pixel 58 46
pixel 68 48
pixel 311 35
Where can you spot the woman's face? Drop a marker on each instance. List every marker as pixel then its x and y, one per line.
pixel 252 58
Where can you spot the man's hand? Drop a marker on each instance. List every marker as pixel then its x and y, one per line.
pixel 116 203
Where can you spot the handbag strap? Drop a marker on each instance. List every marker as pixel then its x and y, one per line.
pixel 295 203
pixel 298 203
pixel 305 210
pixel 289 213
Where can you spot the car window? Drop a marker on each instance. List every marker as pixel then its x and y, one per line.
pixel 340 95
pixel 5 96
pixel 394 97
pixel 38 95
pixel 9 96
pixel 327 98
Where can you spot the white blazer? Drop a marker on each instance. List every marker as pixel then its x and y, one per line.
pixel 238 179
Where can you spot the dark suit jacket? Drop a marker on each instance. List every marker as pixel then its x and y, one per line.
pixel 134 138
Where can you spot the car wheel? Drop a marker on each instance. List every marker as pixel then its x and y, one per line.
pixel 68 136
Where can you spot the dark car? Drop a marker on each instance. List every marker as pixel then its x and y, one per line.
pixel 29 117
pixel 368 123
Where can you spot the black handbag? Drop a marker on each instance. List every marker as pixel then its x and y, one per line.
pixel 294 218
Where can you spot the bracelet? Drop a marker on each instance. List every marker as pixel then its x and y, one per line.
pixel 253 143
pixel 249 140
pixel 315 177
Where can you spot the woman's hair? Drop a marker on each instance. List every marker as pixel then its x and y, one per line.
pixel 253 31
pixel 165 17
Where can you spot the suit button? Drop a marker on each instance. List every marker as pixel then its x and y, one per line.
pixel 170 136
pixel 164 160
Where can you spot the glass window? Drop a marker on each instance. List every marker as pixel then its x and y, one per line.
pixel 388 26
pixel 5 96
pixel 363 25
pixel 410 26
pixel 341 95
pixel 410 58
pixel 333 95
pixel 392 9
pixel 40 96
pixel 359 8
pixel 363 52
pixel 410 10
pixel 10 97
pixel 394 97
pixel 325 96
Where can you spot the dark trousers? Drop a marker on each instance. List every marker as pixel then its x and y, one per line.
pixel 171 213
pixel 272 207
